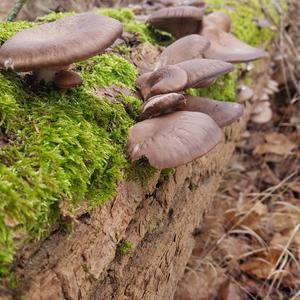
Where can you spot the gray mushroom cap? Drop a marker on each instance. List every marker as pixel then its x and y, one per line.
pixel 186 48
pixel 159 105
pixel 59 43
pixel 202 72
pixel 179 21
pixel 162 81
pixel 223 113
pixel 173 139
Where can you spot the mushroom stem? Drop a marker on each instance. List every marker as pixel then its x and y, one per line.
pixel 44 75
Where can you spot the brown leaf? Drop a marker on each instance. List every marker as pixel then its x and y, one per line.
pixel 230 291
pixel 276 143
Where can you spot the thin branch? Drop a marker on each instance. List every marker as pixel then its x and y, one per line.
pixel 15 10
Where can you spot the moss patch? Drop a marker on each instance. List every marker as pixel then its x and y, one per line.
pixel 124 247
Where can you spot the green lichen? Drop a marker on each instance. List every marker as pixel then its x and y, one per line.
pixel 124 247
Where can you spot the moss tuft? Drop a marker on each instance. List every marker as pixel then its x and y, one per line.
pixel 8 29
pixel 124 247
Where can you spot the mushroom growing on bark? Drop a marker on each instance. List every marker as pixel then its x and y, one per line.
pixel 203 72
pixel 186 48
pixel 162 81
pixel 223 113
pixel 173 139
pixel 224 45
pixel 159 105
pixel 179 21
pixel 49 48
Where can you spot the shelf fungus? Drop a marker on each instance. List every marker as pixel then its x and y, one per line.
pixel 186 48
pixel 50 48
pixel 223 113
pixel 165 80
pixel 225 46
pixel 173 139
pixel 179 21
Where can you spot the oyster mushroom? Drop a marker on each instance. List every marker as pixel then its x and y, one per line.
pixel 223 113
pixel 219 19
pixel 179 21
pixel 162 81
pixel 244 93
pixel 67 79
pixel 186 48
pixel 159 105
pixel 203 72
pixel 173 139
pixel 49 48
pixel 262 112
pixel 227 47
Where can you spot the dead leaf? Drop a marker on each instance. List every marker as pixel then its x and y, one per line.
pixel 230 291
pixel 276 143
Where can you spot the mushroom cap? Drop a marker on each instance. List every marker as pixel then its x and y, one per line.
pixel 186 48
pixel 220 19
pixel 59 43
pixel 226 47
pixel 179 21
pixel 161 104
pixel 201 71
pixel 162 81
pixel 67 79
pixel 245 93
pixel 262 112
pixel 223 113
pixel 173 139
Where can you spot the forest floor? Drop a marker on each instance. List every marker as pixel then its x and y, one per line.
pixel 249 245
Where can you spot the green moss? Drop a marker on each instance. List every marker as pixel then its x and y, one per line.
pixel 223 89
pixel 63 147
pixel 54 16
pixel 124 247
pixel 8 29
pixel 166 174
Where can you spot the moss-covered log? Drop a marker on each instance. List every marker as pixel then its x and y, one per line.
pixel 62 161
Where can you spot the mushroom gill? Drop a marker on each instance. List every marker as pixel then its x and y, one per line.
pixel 179 21
pixel 174 139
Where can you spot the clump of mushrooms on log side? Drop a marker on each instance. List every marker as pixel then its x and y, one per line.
pixel 173 127
pixel 48 50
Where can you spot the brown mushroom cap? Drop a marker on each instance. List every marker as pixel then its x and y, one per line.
pixel 179 21
pixel 202 71
pixel 67 79
pixel 59 43
pixel 159 105
pixel 173 139
pixel 186 48
pixel 219 19
pixel 162 81
pixel 226 47
pixel 223 113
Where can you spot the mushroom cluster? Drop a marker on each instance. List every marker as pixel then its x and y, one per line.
pixel 48 50
pixel 175 128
